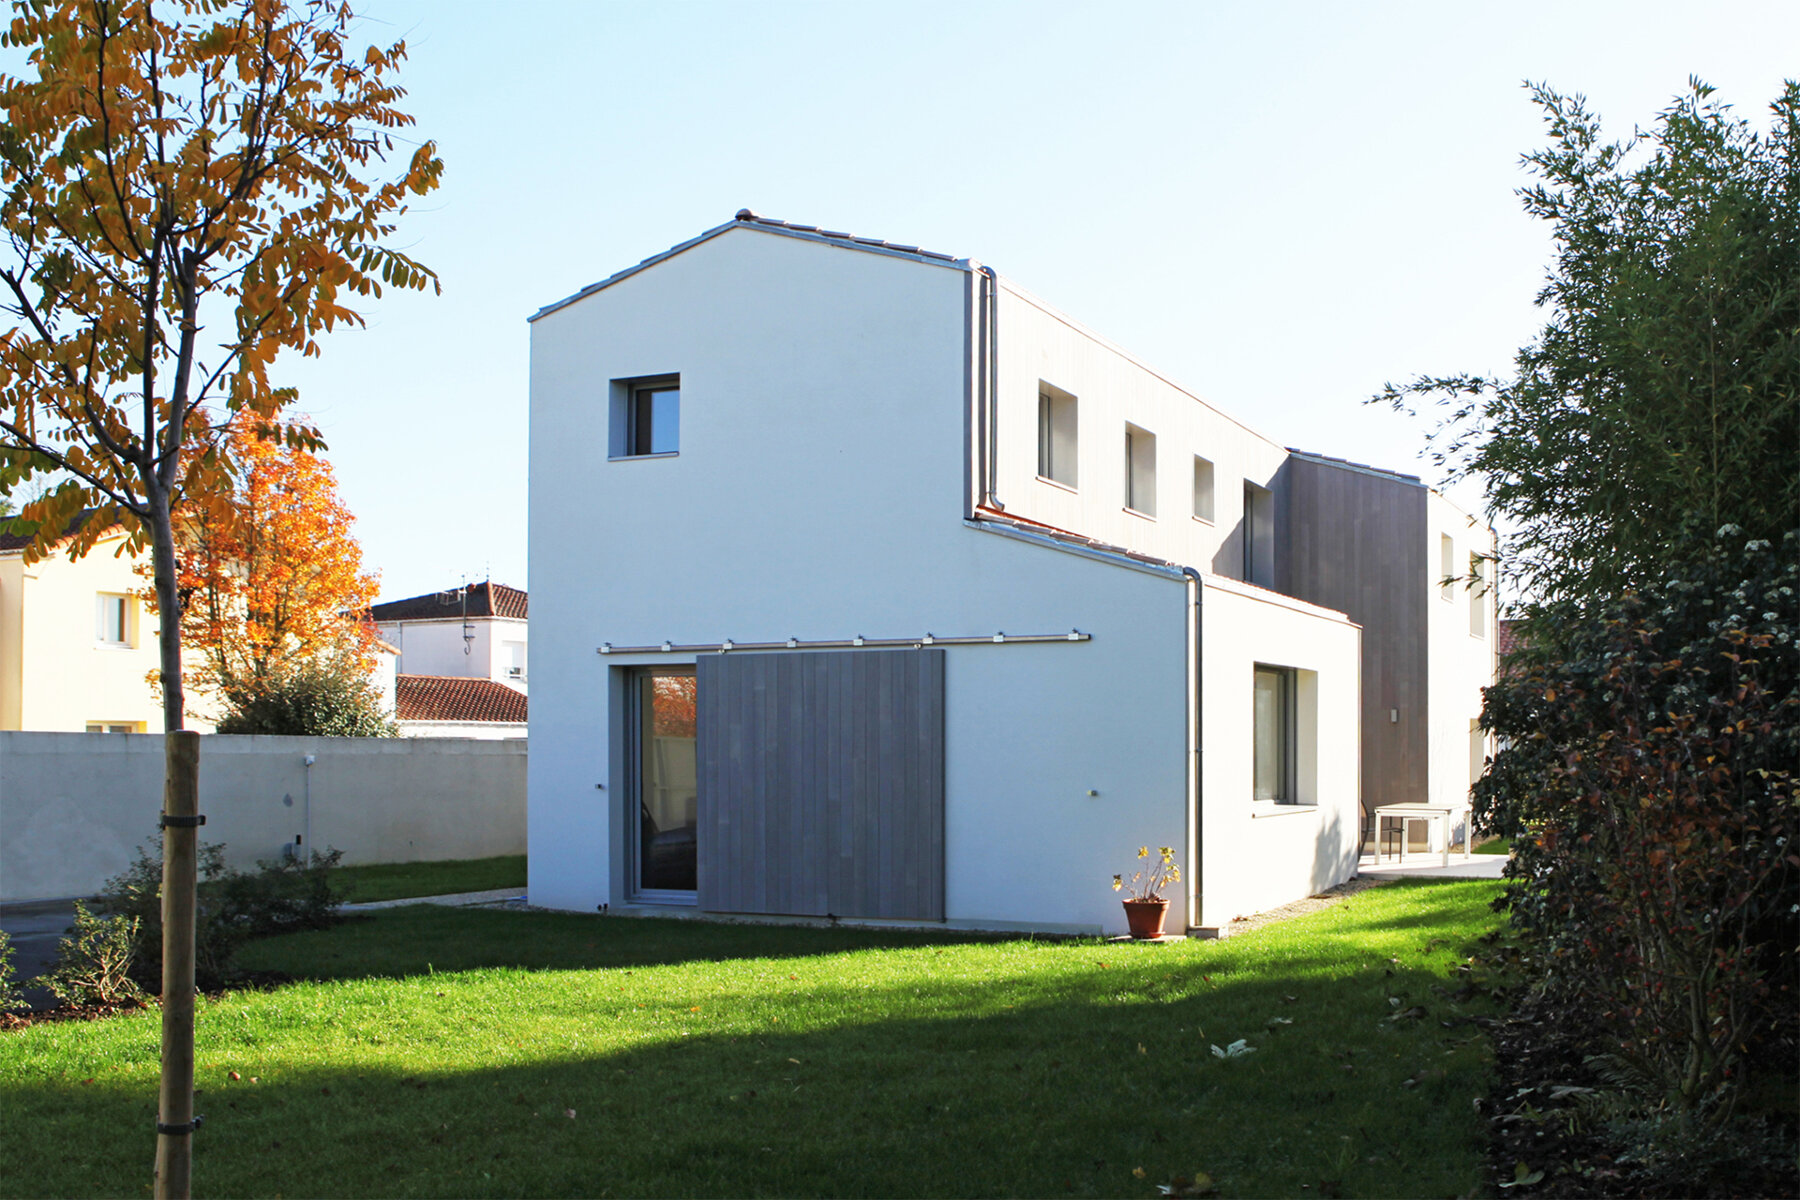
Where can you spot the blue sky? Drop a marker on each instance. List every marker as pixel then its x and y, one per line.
pixel 1278 205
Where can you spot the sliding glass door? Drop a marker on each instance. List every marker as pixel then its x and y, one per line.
pixel 663 717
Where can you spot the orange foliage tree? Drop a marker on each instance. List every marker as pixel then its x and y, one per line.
pixel 272 575
pixel 187 189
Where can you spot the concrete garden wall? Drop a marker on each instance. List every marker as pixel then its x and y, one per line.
pixel 74 806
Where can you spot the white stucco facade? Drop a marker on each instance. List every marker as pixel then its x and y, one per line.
pixel 1463 619
pixel 858 456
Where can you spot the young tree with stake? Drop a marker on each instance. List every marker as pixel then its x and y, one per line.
pixel 186 190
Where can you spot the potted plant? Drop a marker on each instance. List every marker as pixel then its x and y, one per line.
pixel 1145 907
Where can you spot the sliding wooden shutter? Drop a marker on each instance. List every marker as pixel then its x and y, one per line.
pixel 821 781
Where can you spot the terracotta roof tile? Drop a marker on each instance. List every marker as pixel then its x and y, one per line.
pixel 485 600
pixel 11 540
pixel 450 698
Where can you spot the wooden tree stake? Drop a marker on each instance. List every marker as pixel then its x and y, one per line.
pixel 181 845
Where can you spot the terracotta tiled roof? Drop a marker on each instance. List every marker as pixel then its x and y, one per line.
pixel 1509 639
pixel 449 698
pixel 485 600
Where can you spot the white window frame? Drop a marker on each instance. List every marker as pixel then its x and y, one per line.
pixel 1204 476
pixel 114 611
pixel 1446 568
pixel 1059 437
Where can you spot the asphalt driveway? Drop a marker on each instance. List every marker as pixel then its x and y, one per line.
pixel 34 928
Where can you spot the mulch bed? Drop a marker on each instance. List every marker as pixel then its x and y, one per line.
pixel 1536 1118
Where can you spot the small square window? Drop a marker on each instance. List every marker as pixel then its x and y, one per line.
pixel 1140 470
pixel 646 417
pixel 1203 488
pixel 1056 435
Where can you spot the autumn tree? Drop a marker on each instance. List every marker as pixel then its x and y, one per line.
pixel 272 573
pixel 186 190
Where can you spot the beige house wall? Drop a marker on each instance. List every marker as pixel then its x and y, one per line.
pixel 56 673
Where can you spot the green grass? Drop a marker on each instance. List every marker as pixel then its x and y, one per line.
pixel 403 881
pixel 440 1053
pixel 1494 846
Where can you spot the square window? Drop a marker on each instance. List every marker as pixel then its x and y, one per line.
pixel 112 620
pixel 1203 488
pixel 1140 470
pixel 646 417
pixel 1274 715
pixel 1056 435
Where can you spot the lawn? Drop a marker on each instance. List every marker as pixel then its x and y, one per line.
pixel 403 881
pixel 441 1052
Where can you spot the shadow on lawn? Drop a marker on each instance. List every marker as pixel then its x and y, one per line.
pixel 424 938
pixel 1091 1076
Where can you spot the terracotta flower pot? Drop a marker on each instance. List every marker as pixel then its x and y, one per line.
pixel 1145 917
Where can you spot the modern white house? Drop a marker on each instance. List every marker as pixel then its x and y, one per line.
pixel 870 586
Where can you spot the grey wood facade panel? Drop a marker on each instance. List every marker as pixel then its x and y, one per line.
pixel 821 781
pixel 1356 542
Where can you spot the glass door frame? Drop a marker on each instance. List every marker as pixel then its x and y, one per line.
pixel 634 785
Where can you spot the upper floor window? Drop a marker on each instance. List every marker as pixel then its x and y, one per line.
pixel 1140 470
pixel 1446 567
pixel 1259 535
pixel 1056 435
pixel 1203 489
pixel 112 619
pixel 646 417
pixel 1477 596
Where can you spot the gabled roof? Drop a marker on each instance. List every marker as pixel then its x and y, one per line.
pixel 746 219
pixel 449 698
pixel 487 599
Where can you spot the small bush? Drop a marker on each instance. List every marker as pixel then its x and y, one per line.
pixel 319 700
pixel 93 963
pixel 280 896
pixel 11 996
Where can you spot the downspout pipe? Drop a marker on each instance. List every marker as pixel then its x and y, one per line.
pixel 1195 747
pixel 990 379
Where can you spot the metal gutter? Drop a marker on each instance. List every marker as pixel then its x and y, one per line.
pixel 1196 589
pixel 1111 557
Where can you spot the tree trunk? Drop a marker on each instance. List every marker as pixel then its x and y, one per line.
pixel 168 603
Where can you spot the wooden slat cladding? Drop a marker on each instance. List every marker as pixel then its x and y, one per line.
pixel 1356 542
pixel 821 780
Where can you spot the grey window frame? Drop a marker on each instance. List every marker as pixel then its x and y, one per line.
pixel 1050 467
pixel 632 404
pixel 634 786
pixel 1143 439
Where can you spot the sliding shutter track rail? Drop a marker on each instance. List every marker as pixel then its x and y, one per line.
pixel 859 642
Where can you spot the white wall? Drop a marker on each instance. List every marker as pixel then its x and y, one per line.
pixel 487 731
pixel 1257 855
pixel 1461 663
pixel 1111 388
pixel 73 807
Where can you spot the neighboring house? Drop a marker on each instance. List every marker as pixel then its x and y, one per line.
pixel 477 631
pixel 78 641
pixel 449 706
pixel 896 594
